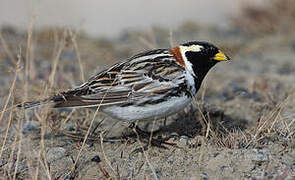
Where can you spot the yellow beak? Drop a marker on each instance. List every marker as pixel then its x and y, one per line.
pixel 220 56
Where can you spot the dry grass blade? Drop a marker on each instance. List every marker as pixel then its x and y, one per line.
pixel 20 135
pixel 145 154
pixel 17 69
pixel 171 40
pixel 56 59
pixel 204 121
pixel 7 50
pixel 150 41
pixel 27 57
pixel 73 38
pixel 6 133
pixel 104 155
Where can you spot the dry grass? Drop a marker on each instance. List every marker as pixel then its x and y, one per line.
pixel 273 16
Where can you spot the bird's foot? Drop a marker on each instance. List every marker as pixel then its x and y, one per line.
pixel 148 137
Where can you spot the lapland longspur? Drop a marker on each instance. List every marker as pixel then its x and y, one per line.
pixel 151 84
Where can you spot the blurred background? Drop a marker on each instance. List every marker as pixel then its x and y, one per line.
pixel 111 17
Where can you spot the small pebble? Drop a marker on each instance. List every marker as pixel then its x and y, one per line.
pixel 12 165
pixel 204 176
pixel 259 156
pixel 89 144
pixel 96 159
pixel 2 162
pixel 222 168
pixel 55 153
pixel 158 172
pixel 30 126
pixel 69 127
pixel 184 141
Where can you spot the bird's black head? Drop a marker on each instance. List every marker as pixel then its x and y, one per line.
pixel 201 57
pixel 201 53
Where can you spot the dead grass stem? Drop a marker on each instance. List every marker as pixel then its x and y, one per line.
pixel 61 46
pixel 146 151
pixel 6 133
pixel 7 50
pixel 73 38
pixel 27 58
pixel 17 69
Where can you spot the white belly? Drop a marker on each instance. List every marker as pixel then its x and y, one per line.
pixel 154 111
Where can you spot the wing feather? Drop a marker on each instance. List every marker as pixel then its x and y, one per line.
pixel 144 77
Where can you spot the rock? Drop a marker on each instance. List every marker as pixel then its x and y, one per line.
pixel 158 173
pixel 184 141
pixel 89 144
pixel 244 93
pixel 12 165
pixel 259 156
pixel 3 162
pixel 30 126
pixel 69 127
pixel 286 69
pixel 204 176
pixel 55 153
pixel 96 159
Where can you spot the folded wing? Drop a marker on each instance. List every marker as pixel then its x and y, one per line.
pixel 146 78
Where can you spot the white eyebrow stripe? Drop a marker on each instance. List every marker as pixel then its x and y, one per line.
pixel 194 48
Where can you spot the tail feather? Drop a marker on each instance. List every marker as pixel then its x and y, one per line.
pixel 64 99
pixel 34 104
pixel 57 101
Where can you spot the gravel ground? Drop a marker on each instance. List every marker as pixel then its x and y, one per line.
pixel 241 125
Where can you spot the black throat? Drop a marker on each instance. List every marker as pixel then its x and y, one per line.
pixel 201 66
pixel 200 75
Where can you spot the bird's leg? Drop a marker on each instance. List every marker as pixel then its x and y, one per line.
pixel 148 135
pixel 133 126
pixel 140 132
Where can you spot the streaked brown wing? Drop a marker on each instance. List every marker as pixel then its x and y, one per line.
pixel 127 82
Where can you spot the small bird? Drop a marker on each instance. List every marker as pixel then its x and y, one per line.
pixel 149 85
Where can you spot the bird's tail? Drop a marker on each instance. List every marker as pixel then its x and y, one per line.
pixel 61 100
pixel 34 104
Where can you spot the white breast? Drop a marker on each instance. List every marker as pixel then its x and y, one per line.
pixel 153 111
